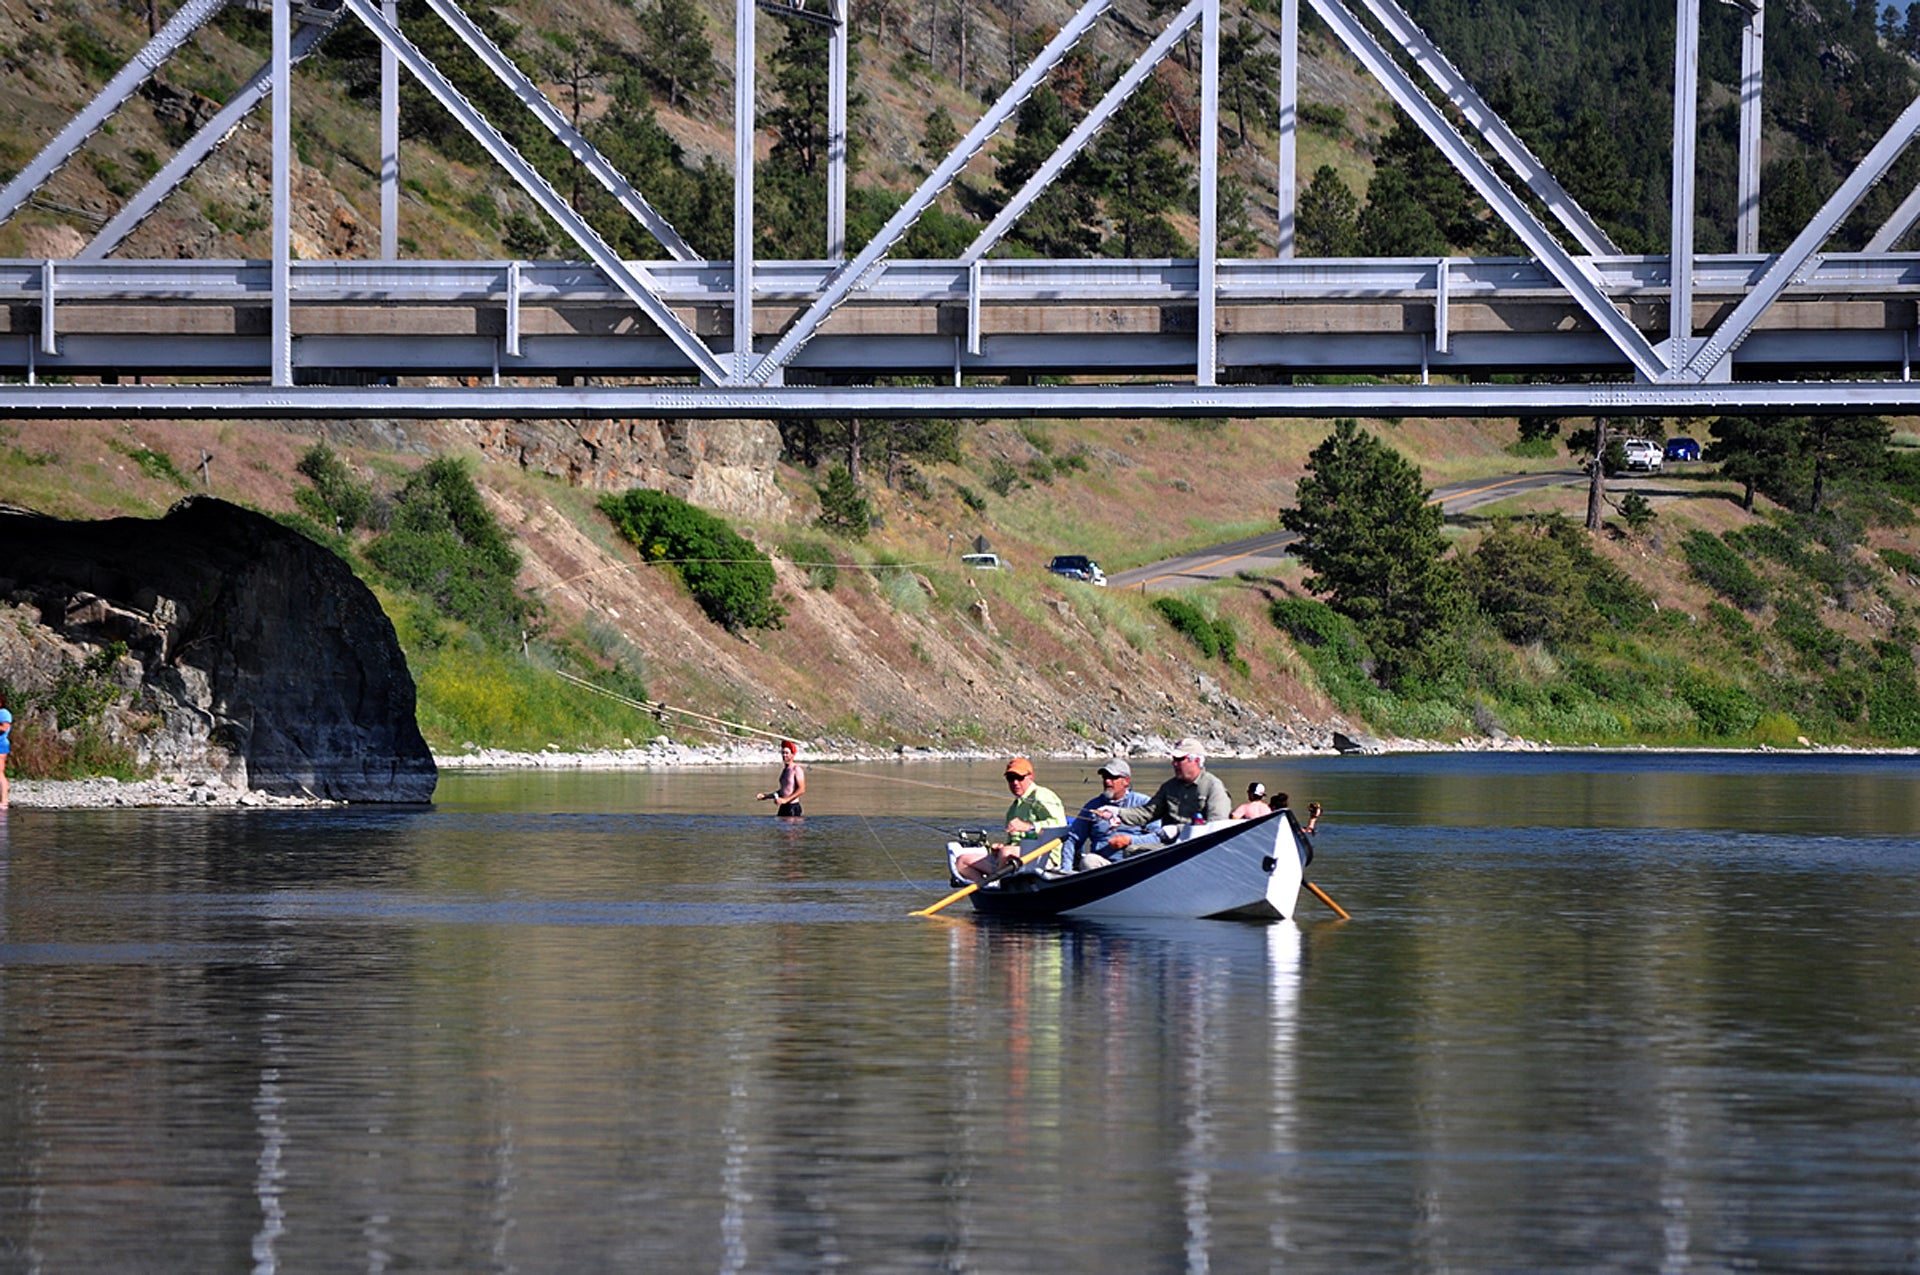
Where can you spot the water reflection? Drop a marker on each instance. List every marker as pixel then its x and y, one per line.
pixel 483 1036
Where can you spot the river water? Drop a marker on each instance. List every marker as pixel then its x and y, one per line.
pixel 1592 1012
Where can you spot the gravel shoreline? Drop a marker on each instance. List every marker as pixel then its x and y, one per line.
pixel 102 793
pixel 212 791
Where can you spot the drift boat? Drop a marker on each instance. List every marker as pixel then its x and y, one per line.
pixel 1242 868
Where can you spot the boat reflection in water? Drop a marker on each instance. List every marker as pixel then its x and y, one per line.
pixel 1122 1054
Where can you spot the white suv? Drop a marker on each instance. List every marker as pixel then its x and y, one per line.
pixel 1643 454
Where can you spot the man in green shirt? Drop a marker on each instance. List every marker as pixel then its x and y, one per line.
pixel 1193 795
pixel 1033 808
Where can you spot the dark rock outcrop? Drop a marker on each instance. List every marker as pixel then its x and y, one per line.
pixel 256 647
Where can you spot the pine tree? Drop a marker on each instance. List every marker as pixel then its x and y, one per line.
pixel 1372 541
pixel 792 216
pixel 1326 217
pixel 1248 77
pixel 1751 450
pixel 1395 223
pixel 680 56
pixel 1140 178
pixel 1063 220
pixel 940 136
pixel 1837 449
pixel 1432 182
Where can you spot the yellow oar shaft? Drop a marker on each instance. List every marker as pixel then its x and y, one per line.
pixel 1327 899
pixel 957 895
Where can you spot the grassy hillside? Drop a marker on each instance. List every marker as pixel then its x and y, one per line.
pixel 896 644
pixel 888 639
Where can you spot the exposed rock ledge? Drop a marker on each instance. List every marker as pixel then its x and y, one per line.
pixel 103 793
pixel 254 656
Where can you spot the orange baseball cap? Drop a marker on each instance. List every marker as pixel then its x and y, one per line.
pixel 1019 766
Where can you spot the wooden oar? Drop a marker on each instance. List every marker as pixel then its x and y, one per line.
pixel 957 895
pixel 1327 899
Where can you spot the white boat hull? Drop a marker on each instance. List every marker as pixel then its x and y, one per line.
pixel 1249 868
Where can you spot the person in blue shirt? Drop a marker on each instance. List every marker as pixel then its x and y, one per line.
pixel 6 748
pixel 1091 840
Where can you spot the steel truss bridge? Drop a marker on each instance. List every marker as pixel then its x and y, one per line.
pixel 1573 328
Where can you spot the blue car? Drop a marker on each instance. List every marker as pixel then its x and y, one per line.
pixel 1682 449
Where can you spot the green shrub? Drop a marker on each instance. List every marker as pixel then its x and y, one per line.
pixel 1893 699
pixel 1718 566
pixel 1903 474
pixel 1536 448
pixel 815 557
pixel 1328 119
pixel 900 586
pixel 1799 626
pixel 444 544
pixel 970 498
pixel 1777 730
pixel 82 691
pixel 1637 512
pixel 1843 694
pixel 1191 623
pixel 1003 477
pixel 154 464
pixel 1720 708
pixel 336 496
pixel 730 579
pixel 90 53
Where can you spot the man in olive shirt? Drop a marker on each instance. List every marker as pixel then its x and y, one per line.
pixel 1192 794
pixel 1033 808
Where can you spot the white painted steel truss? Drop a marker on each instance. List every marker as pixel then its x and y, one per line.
pixel 1795 331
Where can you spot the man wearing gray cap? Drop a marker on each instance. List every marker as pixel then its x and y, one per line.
pixel 1089 836
pixel 1193 795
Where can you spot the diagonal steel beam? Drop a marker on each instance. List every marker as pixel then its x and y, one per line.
pixel 185 21
pixel 633 282
pixel 1487 122
pixel 202 144
pixel 1787 267
pixel 588 155
pixel 1076 141
pixel 1896 225
pixel 853 272
pixel 1573 274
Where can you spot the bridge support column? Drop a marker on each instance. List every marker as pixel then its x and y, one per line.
pixel 837 132
pixel 389 141
pixel 743 132
pixel 1686 92
pixel 1207 357
pixel 1752 43
pixel 282 336
pixel 1287 179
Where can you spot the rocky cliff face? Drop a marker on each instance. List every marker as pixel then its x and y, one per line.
pixel 726 466
pixel 258 652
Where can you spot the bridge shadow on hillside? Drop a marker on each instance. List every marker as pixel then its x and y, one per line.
pixel 1662 487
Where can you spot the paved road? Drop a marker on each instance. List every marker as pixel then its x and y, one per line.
pixel 1266 550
